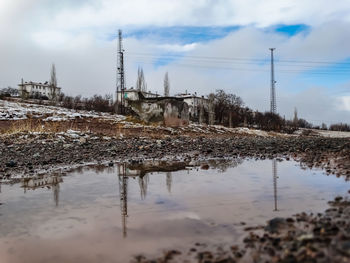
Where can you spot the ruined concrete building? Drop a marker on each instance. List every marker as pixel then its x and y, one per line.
pixel 197 106
pixel 133 94
pixel 171 112
pixel 175 110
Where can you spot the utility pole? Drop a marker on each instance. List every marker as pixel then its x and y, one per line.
pixel 120 76
pixel 273 106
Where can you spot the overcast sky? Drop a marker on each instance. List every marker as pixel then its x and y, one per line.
pixel 204 45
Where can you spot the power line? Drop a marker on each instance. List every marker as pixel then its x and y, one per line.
pixel 284 71
pixel 241 59
pixel 223 63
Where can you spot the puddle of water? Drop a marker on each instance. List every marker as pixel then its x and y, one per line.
pixel 110 214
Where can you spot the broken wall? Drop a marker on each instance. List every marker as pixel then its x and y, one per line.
pixel 169 112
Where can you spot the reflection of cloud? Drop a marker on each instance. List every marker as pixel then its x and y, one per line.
pixel 183 215
pixel 344 103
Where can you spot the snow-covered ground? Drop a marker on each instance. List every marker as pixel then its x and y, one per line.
pixel 20 111
pixel 10 110
pixel 324 133
pixel 333 134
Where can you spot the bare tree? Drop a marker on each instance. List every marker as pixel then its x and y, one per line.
pixel 226 105
pixel 166 85
pixel 9 91
pixel 53 83
pixel 140 82
pixel 211 110
pixel 295 119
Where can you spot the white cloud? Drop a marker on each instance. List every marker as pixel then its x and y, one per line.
pixel 107 13
pixel 177 47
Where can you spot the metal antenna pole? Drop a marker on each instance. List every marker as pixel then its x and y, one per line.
pixel 273 106
pixel 120 73
pixel 117 85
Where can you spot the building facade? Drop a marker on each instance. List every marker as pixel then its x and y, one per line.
pixel 38 90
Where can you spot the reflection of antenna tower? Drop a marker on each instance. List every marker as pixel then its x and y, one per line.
pixel 168 181
pixel 120 75
pixel 123 192
pixel 274 173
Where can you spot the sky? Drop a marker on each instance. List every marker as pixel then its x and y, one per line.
pixel 204 45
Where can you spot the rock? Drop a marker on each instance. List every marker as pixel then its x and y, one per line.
pixel 305 237
pixel 67 145
pixel 276 225
pixel 205 167
pixel 11 164
pixel 344 247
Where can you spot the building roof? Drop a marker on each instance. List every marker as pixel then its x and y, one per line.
pixel 46 84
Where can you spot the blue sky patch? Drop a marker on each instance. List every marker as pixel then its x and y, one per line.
pixel 292 30
pixel 181 34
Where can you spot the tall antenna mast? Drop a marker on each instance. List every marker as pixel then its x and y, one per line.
pixel 120 75
pixel 273 106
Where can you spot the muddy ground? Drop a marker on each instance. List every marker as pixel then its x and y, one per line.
pixel 300 238
pixel 27 153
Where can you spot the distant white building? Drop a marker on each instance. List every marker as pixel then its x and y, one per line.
pixel 38 89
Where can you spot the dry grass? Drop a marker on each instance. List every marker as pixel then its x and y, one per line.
pixel 37 125
pixel 135 120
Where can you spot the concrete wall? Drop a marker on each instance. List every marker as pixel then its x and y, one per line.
pixel 176 114
pixel 169 112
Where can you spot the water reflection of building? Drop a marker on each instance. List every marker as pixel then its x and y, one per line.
pixel 48 181
pixel 275 177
